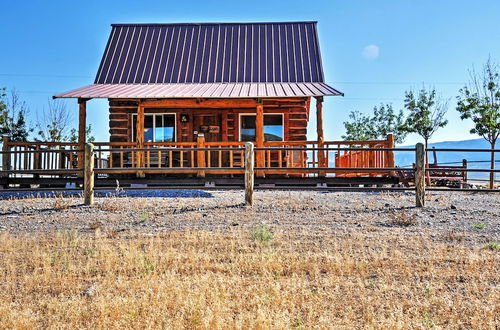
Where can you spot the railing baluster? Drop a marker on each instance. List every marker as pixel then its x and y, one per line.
pixel 220 157
pixel 133 157
pixel 121 157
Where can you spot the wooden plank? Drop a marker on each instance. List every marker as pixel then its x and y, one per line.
pixel 259 136
pixel 208 104
pixel 420 175
pixel 201 154
pixel 320 133
pixel 390 154
pixel 82 128
pixel 249 173
pixel 88 186
pixel 140 139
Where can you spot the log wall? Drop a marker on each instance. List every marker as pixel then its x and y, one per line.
pixel 295 117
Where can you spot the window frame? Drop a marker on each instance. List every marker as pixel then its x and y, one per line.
pixel 133 137
pixel 265 114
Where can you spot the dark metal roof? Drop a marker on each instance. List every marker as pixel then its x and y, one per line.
pixel 196 90
pixel 211 53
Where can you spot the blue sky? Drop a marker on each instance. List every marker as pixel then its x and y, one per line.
pixel 372 50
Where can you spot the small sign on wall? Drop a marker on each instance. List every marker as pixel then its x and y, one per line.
pixel 210 129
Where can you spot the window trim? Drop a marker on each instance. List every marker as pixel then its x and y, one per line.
pixel 154 125
pixel 255 115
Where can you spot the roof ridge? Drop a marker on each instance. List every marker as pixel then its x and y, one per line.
pixel 213 23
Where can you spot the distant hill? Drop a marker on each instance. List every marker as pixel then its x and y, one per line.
pixel 475 159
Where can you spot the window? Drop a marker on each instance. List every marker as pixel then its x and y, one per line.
pixel 157 127
pixel 273 127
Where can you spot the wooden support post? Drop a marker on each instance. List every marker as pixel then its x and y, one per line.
pixel 249 174
pixel 420 175
pixel 139 139
pixel 320 134
pixel 82 128
pixel 390 154
pixel 259 136
pixel 5 155
pixel 464 173
pixel 200 155
pixel 88 175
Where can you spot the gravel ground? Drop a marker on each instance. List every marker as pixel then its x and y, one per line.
pixel 465 218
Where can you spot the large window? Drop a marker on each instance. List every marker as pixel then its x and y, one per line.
pixel 158 127
pixel 273 127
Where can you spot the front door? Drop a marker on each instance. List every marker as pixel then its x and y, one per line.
pixel 209 125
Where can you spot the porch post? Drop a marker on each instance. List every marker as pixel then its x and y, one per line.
pixel 200 155
pixel 390 154
pixel 259 136
pixel 320 134
pixel 82 128
pixel 139 139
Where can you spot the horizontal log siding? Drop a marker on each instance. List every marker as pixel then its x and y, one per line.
pixel 295 115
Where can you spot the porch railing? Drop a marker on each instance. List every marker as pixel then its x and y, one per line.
pixel 200 157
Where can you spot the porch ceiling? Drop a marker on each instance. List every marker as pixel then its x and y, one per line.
pixel 205 90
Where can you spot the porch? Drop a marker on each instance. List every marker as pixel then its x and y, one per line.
pixel 36 162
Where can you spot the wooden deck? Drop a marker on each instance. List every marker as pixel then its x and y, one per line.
pixel 301 159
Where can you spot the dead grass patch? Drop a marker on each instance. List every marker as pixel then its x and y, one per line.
pixel 402 219
pixel 61 203
pixel 192 279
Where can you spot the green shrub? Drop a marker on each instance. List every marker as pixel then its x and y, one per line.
pixel 493 246
pixel 262 234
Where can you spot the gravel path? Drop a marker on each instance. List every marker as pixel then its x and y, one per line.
pixel 468 218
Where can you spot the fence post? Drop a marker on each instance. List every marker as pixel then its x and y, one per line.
pixel 464 173
pixel 420 175
pixel 5 155
pixel 200 155
pixel 249 173
pixel 88 175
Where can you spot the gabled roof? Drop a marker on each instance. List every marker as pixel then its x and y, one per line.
pixel 211 52
pixel 151 57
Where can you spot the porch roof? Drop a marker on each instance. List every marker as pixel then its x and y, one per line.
pixel 203 90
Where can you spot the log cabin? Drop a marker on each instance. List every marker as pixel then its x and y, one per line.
pixel 185 98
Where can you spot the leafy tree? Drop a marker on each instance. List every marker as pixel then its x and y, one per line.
pixel 384 120
pixel 479 101
pixel 358 127
pixel 425 114
pixel 13 112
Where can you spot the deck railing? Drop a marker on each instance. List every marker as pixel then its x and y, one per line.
pixel 200 157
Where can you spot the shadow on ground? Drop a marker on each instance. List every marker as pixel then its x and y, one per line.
pixel 5 195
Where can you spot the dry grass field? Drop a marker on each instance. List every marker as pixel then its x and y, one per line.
pixel 290 263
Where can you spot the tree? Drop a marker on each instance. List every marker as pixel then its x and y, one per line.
pixel 73 137
pixel 383 121
pixel 426 114
pixel 54 124
pixel 13 112
pixel 479 101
